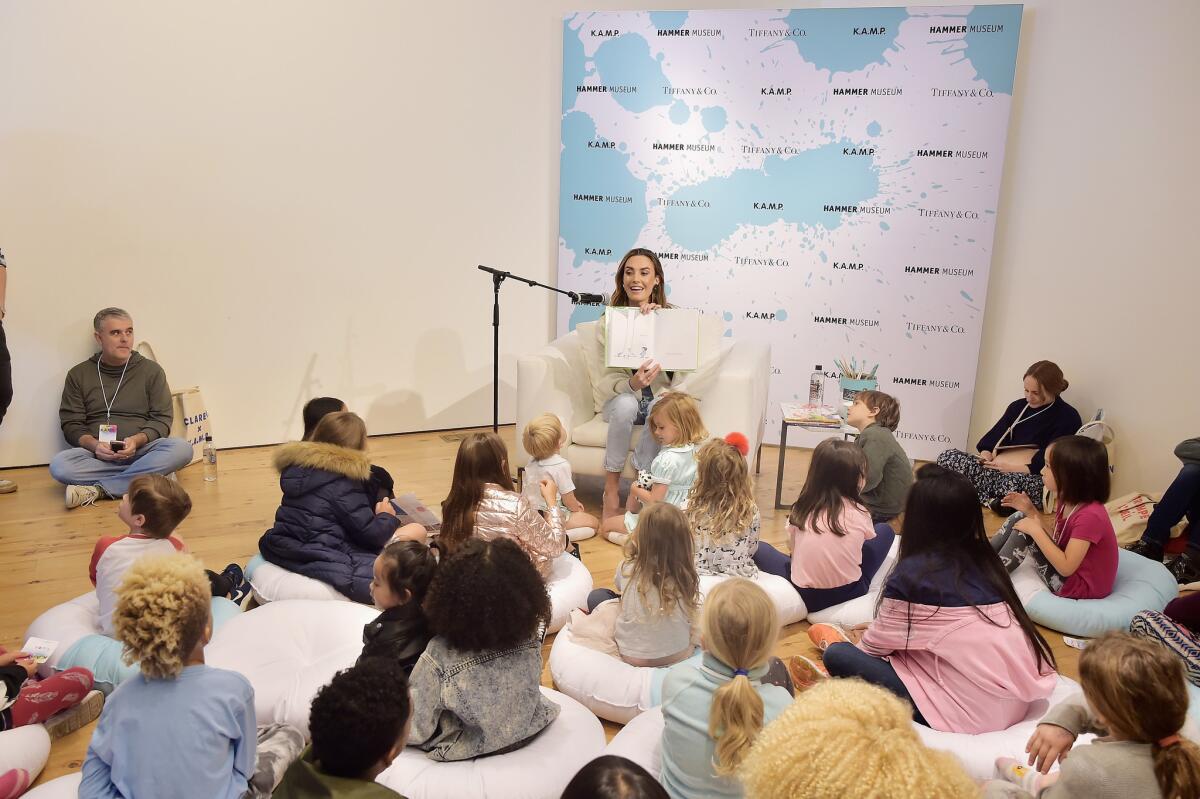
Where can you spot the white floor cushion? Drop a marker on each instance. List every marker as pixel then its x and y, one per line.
pixel 783 594
pixel 272 583
pixel 861 610
pixel 608 686
pixel 568 584
pixel 26 748
pixel 75 625
pixel 978 753
pixel 288 650
pixel 641 741
pixel 538 770
pixel 65 787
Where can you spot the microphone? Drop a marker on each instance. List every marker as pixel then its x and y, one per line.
pixel 590 299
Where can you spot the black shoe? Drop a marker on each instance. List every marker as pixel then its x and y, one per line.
pixel 1147 549
pixel 1185 569
pixel 574 550
pixel 1000 510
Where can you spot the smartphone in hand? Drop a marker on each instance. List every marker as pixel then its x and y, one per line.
pixel 116 446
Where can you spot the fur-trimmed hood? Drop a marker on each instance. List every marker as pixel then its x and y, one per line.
pixel 341 461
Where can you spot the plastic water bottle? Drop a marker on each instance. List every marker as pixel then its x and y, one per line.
pixel 816 386
pixel 210 460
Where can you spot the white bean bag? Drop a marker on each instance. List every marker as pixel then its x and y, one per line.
pixel 65 787
pixel 608 686
pixel 783 594
pixel 978 753
pixel 75 625
pixel 539 770
pixel 641 741
pixel 271 583
pixel 568 583
pixel 1193 704
pixel 1141 584
pixel 26 748
pixel 862 609
pixel 288 650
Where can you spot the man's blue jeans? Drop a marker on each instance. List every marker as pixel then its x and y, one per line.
pixel 78 466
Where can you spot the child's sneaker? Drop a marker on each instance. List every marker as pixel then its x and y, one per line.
pixel 804 673
pixel 68 721
pixel 234 574
pixel 825 634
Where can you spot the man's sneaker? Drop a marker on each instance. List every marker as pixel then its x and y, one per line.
pixel 1147 549
pixel 825 634
pixel 804 672
pixel 7 486
pixel 1185 568
pixel 73 718
pixel 82 495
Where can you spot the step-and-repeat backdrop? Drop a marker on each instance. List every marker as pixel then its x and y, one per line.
pixel 825 180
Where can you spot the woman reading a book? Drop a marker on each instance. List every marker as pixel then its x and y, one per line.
pixel 625 396
pixel 1012 453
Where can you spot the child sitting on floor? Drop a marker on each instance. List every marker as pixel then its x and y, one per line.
pixel 675 421
pixel 721 509
pixel 849 740
pixel 380 484
pixel 713 710
pixel 658 588
pixel 1134 696
pixel 359 724
pixel 836 550
pixel 329 525
pixel 179 722
pixel 482 504
pixel 62 703
pixel 1078 559
pixel 152 509
pixel 543 439
pixel 403 572
pixel 476 688
pixel 950 635
pixel 889 473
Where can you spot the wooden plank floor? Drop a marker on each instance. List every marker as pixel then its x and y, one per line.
pixel 44 549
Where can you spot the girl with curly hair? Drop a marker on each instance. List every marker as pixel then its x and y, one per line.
pixel 180 722
pixel 721 509
pixel 476 687
pixel 847 738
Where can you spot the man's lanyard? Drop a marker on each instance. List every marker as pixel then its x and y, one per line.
pixel 108 406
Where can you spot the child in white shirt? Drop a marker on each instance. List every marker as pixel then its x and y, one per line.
pixel 543 438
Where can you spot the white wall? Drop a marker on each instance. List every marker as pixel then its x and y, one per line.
pixel 291 198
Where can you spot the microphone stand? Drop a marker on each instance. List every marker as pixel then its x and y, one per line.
pixel 499 277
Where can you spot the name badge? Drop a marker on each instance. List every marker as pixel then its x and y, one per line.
pixel 108 433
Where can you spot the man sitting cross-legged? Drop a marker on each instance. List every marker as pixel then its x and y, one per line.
pixel 116 416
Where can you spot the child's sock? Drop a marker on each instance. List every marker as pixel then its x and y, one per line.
pixel 617 538
pixel 1019 774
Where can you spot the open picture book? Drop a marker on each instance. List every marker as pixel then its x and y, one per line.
pixel 670 336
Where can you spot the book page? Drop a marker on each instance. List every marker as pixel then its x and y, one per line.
pixel 409 509
pixel 677 339
pixel 629 337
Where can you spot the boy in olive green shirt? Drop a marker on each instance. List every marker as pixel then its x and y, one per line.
pixel 889 472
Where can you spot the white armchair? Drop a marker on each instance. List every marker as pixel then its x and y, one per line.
pixel 556 380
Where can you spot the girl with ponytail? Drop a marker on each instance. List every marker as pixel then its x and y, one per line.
pixel 714 710
pixel 1134 695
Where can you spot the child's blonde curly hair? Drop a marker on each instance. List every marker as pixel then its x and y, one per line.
pixel 162 612
pixel 846 738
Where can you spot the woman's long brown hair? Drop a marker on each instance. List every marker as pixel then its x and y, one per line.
pixel 482 458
